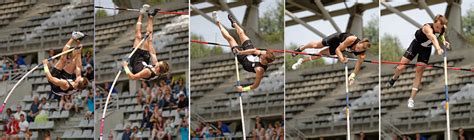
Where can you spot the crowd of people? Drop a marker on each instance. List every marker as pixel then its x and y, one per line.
pixel 221 130
pixel 11 66
pixel 157 97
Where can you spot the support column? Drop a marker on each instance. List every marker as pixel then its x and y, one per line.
pixel 454 33
pixel 250 22
pixel 356 23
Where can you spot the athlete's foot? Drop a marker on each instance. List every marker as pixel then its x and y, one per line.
pixel 296 50
pixel 144 8
pixel 391 82
pixel 152 13
pixel 411 103
pixel 232 20
pixel 78 35
pixel 297 64
pixel 215 17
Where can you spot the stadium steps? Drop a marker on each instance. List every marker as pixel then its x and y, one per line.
pixel 24 17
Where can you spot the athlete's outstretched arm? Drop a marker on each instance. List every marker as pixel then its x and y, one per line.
pixel 359 62
pixel 51 78
pixel 429 33
pixel 251 52
pixel 349 40
pixel 259 72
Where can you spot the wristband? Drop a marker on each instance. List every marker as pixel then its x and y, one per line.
pixel 352 76
pixel 46 69
pixel 139 23
pixel 247 88
pixel 127 71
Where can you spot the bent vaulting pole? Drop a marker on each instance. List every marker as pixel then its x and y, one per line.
pixel 28 73
pixel 102 120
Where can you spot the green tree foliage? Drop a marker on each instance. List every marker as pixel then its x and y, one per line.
pixel 468 25
pixel 200 50
pixel 391 48
pixel 371 31
pixel 100 13
pixel 271 23
pixel 290 60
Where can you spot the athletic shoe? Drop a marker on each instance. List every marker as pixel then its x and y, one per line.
pixel 153 12
pixel 214 16
pixel 411 103
pixel 232 20
pixel 297 64
pixel 296 50
pixel 144 8
pixel 78 35
pixel 391 82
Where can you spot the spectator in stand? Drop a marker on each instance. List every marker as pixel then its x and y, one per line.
pixel 269 132
pixel 183 129
pixel 24 131
pixel 279 131
pixel 361 135
pixel 180 87
pixel 90 106
pixel 6 118
pixel 19 61
pixel 18 112
pixel 461 135
pixel 205 131
pixel 44 104
pixel 140 98
pixel 224 128
pixel 42 116
pixel 182 104
pixel 47 135
pixel 107 86
pixel 127 133
pixel 259 132
pixel 89 73
pixel 146 92
pixel 145 123
pixel 169 126
pixel 88 60
pixel 135 133
pixel 13 128
pixel 7 69
pixel 77 101
pixel 158 129
pixel 34 109
pixel 168 100
pixel 65 103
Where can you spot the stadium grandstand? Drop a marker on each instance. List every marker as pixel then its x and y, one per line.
pixel 33 30
pixel 145 109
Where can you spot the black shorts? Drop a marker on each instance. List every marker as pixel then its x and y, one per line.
pixel 137 58
pixel 415 48
pixel 333 42
pixel 61 74
pixel 247 65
